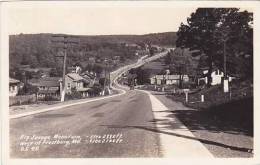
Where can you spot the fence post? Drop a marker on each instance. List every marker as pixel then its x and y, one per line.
pixel 186 96
pixel 202 98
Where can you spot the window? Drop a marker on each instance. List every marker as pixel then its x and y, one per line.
pixel 69 86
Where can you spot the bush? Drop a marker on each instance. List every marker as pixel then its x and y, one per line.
pixel 74 94
pixel 50 98
pixel 95 90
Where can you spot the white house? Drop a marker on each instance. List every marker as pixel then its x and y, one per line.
pixel 74 80
pixel 167 79
pixel 216 77
pixel 13 87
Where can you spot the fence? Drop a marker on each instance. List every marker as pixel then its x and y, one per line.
pixel 18 100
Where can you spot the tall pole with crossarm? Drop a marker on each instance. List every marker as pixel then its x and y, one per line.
pixel 65 42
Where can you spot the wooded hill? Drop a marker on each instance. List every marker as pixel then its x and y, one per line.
pixel 39 50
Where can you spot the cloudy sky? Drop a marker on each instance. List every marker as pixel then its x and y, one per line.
pixel 94 20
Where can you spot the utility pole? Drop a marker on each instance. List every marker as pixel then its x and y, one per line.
pixel 224 37
pixel 107 68
pixel 105 81
pixel 65 41
pixel 224 55
pixel 109 77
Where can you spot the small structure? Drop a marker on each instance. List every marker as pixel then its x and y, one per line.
pixel 13 87
pixel 168 79
pixel 91 59
pixel 74 69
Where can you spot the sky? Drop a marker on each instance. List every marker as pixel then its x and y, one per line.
pixel 94 20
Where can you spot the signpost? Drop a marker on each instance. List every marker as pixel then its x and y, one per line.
pixel 186 91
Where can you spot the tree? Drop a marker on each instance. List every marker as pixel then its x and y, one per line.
pixel 103 81
pixel 198 34
pixel 168 59
pixel 234 35
pixel 181 63
pixel 209 29
pixel 139 75
pixel 54 73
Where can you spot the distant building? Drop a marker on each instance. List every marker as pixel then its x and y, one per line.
pixel 116 59
pixel 36 72
pixel 45 72
pixel 167 79
pixel 141 52
pixel 91 59
pixel 74 69
pixel 133 45
pixel 156 48
pixel 13 87
pixel 31 70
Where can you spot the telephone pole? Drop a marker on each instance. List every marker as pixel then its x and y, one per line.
pixel 225 31
pixel 65 42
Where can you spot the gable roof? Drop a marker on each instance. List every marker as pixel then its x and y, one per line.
pixel 46 81
pixel 87 75
pixel 13 81
pixel 75 76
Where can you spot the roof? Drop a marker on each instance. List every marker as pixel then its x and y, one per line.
pixel 83 89
pixel 46 81
pixel 13 81
pixel 88 75
pixel 75 76
pixel 169 77
pixel 31 69
pixel 47 91
pixel 45 69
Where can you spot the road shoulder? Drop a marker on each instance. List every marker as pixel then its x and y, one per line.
pixel 176 139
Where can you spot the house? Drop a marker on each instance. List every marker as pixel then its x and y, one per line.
pixel 90 78
pixel 141 52
pixel 36 72
pixel 13 87
pixel 156 48
pixel 45 72
pixel 77 82
pixel 133 45
pixel 48 87
pixel 91 59
pixel 167 79
pixel 116 59
pixel 216 77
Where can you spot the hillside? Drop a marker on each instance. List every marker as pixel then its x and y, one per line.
pixel 39 50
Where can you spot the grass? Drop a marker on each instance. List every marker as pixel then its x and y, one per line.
pixel 155 67
pixel 235 110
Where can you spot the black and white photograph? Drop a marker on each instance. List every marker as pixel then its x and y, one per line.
pixel 103 80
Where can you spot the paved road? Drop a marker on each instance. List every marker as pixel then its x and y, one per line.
pixel 118 116
pixel 112 116
pixel 134 124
